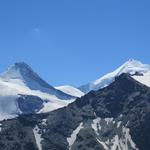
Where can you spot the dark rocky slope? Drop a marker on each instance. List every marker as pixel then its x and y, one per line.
pixel 114 118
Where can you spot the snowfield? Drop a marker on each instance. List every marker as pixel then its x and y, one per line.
pixel 144 79
pixel 70 90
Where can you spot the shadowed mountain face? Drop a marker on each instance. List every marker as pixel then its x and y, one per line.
pixel 114 118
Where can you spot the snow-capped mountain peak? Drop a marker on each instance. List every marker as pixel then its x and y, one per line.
pixel 22 88
pixel 13 71
pixel 24 72
pixel 131 67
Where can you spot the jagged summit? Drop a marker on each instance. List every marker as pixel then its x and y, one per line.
pixel 131 67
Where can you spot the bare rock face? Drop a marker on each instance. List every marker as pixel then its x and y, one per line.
pixel 29 104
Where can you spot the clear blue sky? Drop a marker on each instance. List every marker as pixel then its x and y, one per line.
pixel 73 41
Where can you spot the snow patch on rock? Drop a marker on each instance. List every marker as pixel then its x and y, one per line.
pixel 96 125
pixel 121 140
pixel 38 138
pixel 73 136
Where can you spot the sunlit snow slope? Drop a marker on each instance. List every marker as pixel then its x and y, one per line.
pixel 132 67
pixel 144 79
pixel 70 90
